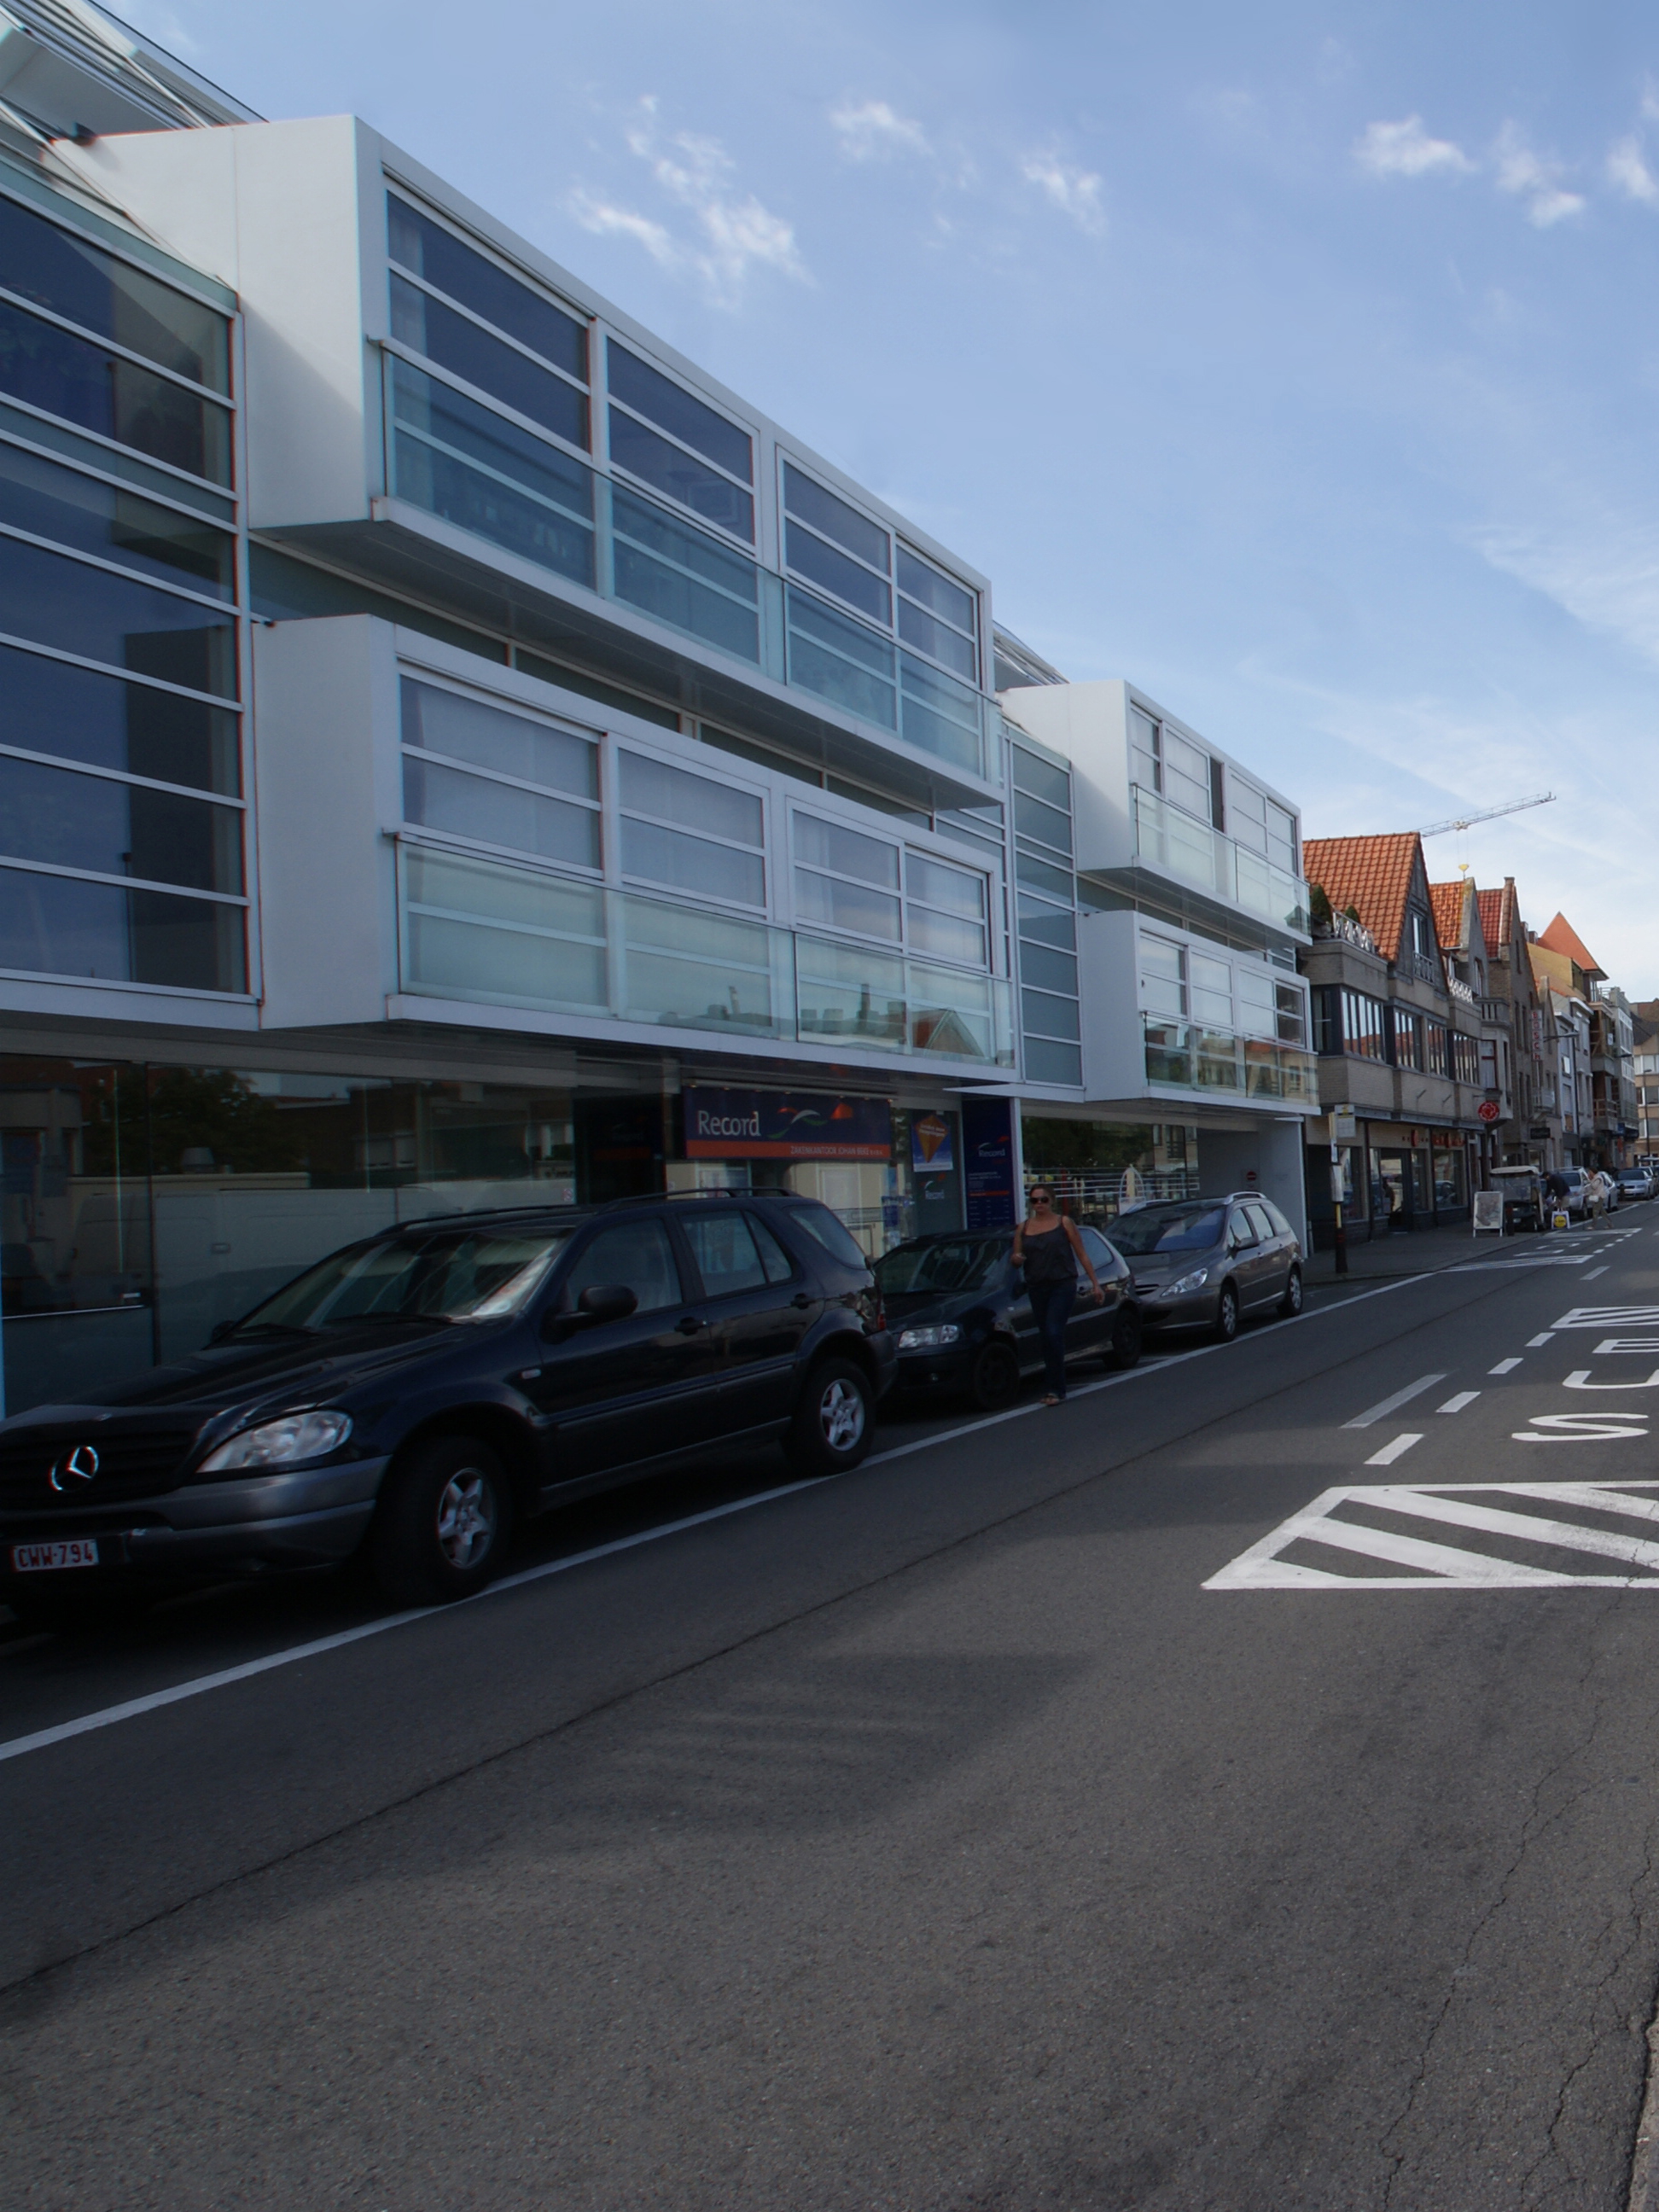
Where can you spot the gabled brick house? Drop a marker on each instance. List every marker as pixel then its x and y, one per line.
pixel 1402 1038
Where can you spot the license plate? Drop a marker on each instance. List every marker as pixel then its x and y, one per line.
pixel 36 1559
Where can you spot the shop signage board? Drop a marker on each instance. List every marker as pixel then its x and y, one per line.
pixel 1344 1127
pixel 784 1125
pixel 987 1158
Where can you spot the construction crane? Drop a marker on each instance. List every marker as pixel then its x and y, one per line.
pixel 1491 814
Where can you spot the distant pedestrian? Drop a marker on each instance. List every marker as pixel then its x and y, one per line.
pixel 1047 1247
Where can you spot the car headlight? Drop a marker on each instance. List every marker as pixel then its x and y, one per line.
pixel 1183 1283
pixel 929 1339
pixel 277 1444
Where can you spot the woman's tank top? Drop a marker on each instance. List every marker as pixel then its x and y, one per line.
pixel 1048 1258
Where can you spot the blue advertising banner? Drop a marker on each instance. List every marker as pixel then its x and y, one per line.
pixel 987 1159
pixel 784 1125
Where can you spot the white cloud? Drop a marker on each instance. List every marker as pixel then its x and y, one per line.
pixel 732 234
pixel 871 130
pixel 1605 572
pixel 1628 171
pixel 1406 150
pixel 1534 178
pixel 1075 192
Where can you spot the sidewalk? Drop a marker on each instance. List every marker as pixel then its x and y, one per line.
pixel 1425 1251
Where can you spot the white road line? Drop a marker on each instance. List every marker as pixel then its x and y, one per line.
pixel 1504 1367
pixel 1533 1342
pixel 1608 1317
pixel 1401 1444
pixel 1373 1413
pixel 1456 1404
pixel 134 1707
pixel 1591 1274
pixel 1483 1508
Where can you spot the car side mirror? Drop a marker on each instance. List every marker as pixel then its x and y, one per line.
pixel 220 1331
pixel 600 1302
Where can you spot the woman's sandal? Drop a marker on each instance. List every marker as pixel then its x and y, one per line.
pixel 1051 1399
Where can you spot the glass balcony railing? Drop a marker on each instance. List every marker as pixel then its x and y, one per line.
pixel 493 933
pixel 1181 846
pixel 1194 1058
pixel 459 460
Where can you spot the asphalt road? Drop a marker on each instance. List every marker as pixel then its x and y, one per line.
pixel 935 1838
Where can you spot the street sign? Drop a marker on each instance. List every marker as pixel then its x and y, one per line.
pixel 1344 1128
pixel 1489 1111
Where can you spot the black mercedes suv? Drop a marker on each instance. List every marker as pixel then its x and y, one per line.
pixel 417 1393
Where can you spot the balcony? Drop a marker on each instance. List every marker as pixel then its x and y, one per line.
pixel 490 933
pixel 1213 1063
pixel 1180 845
pixel 478 472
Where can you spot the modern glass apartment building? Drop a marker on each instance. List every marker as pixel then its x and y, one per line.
pixel 451 747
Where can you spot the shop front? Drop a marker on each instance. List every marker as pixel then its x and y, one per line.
pixel 1391 1176
pixel 891 1172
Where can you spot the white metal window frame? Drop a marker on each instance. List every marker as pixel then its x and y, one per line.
pixel 1190 945
pixel 901 845
pixel 438 681
pixel 624 475
pixel 427 661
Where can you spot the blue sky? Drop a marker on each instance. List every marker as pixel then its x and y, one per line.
pixel 1300 363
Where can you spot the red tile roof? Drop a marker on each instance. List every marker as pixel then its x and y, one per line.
pixel 1447 901
pixel 1562 937
pixel 1373 875
pixel 1494 921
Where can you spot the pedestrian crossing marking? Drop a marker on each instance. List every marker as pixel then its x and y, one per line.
pixel 1513 1512
pixel 1608 1317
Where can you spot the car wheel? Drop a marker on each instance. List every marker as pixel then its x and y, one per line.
pixel 1226 1314
pixel 833 1422
pixel 994 1381
pixel 443 1523
pixel 1126 1338
pixel 1291 1304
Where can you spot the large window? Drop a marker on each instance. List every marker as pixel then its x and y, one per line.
pixel 1162 760
pixel 479 772
pixel 1408 1041
pixel 1365 1026
pixel 1046 920
pixel 451 303
pixel 1437 1057
pixel 833 545
pixel 689 833
pixel 865 886
pixel 88 337
pixel 1465 1058
pixel 121 834
pixel 679 445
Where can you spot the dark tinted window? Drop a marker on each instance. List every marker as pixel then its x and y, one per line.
pixel 58 270
pixel 1261 1221
pixel 68 820
pixel 725 1251
pixel 680 477
pixel 957 1263
pixel 671 408
pixel 823 1226
pixel 61 926
pixel 68 376
pixel 637 1253
pixel 426 249
pixel 1281 1225
pixel 1099 1251
pixel 776 1261
pixel 445 336
pixel 52 501
pixel 116 619
pixel 50 707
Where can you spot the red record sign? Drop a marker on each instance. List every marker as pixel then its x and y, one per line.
pixel 1489 1109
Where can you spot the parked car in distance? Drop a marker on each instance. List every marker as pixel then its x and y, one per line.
pixel 1635 1183
pixel 1582 1199
pixel 962 1324
pixel 417 1393
pixel 1527 1204
pixel 1208 1262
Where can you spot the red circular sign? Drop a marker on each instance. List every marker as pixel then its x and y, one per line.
pixel 1488 1110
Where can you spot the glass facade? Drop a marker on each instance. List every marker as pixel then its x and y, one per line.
pixel 1045 902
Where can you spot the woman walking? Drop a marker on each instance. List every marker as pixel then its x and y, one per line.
pixel 1047 1247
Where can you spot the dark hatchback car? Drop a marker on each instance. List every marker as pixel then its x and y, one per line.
pixel 1207 1262
pixel 957 1307
pixel 417 1393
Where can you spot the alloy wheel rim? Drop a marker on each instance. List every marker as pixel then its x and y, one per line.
pixel 466 1518
pixel 841 1415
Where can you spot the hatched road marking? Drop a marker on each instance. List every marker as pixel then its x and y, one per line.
pixel 1331 1533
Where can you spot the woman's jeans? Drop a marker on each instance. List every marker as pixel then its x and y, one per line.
pixel 1051 1308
